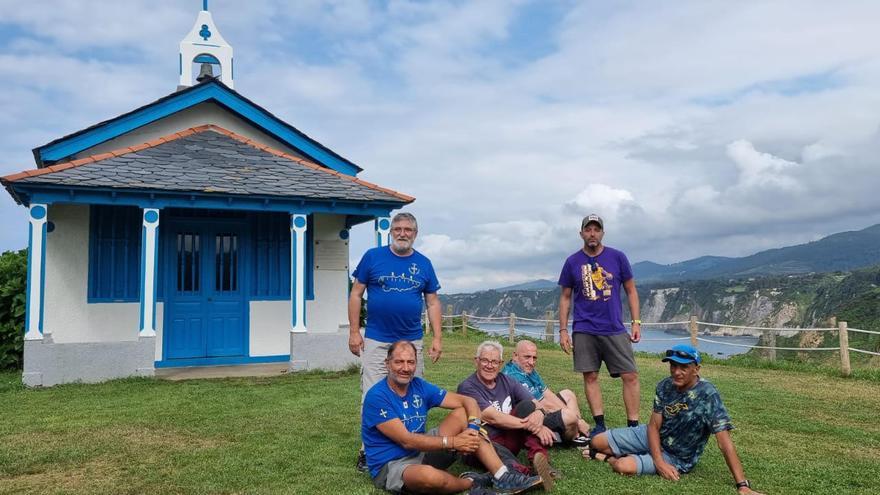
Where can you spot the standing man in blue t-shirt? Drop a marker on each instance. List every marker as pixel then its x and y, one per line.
pixel 592 278
pixel 687 409
pixel 396 279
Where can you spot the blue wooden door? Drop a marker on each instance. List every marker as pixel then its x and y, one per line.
pixel 205 302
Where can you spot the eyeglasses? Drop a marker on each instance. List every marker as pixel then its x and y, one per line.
pixel 407 230
pixel 487 362
pixel 681 354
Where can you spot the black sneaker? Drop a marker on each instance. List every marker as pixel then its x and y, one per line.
pixel 361 464
pixel 581 441
pixel 515 482
pixel 483 480
pixel 597 430
pixel 480 490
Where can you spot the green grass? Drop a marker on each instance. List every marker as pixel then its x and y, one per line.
pixel 797 432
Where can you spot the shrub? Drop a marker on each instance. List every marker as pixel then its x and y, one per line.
pixel 13 283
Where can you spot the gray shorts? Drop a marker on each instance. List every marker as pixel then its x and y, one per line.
pixel 373 363
pixel 390 477
pixel 634 442
pixel 615 350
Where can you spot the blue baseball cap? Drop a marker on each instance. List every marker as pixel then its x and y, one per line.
pixel 682 354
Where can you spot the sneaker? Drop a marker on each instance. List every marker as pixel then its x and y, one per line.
pixel 581 441
pixel 361 464
pixel 514 482
pixel 480 490
pixel 542 467
pixel 596 430
pixel 483 480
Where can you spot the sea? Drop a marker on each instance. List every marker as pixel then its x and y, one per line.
pixel 654 340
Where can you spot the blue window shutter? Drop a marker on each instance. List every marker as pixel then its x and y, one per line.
pixel 114 253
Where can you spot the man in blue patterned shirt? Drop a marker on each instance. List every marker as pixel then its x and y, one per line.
pixel 687 409
pixel 564 414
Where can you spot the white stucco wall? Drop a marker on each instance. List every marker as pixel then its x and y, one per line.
pixel 329 309
pixel 201 114
pixel 270 328
pixel 68 316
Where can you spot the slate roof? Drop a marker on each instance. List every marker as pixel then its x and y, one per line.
pixel 208 159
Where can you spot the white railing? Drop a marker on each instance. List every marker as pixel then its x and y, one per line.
pixel 768 334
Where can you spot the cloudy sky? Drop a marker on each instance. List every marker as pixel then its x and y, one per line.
pixel 693 128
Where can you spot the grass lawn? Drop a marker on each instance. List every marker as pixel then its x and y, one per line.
pixel 797 432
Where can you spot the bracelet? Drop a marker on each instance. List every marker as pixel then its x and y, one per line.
pixel 633 322
pixel 743 484
pixel 445 442
pixel 474 427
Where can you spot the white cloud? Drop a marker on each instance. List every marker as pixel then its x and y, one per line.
pixel 692 128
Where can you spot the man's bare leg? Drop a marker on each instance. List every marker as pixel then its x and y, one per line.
pixel 593 393
pixel 571 403
pixel 631 391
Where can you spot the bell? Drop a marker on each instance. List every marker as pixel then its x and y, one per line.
pixel 206 72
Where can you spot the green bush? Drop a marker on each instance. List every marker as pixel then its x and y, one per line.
pixel 13 283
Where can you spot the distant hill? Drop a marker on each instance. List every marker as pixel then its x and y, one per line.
pixel 844 251
pixel 540 284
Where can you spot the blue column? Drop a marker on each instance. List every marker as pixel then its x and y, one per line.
pixel 36 276
pixel 383 229
pixel 298 226
pixel 149 257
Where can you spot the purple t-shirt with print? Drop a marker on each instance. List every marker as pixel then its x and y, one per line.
pixel 596 283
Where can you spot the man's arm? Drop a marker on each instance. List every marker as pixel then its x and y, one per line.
pixel 725 445
pixel 664 469
pixel 564 307
pixel 632 297
pixel 551 401
pixel 467 441
pixel 355 340
pixel 533 423
pixel 432 302
pixel 454 401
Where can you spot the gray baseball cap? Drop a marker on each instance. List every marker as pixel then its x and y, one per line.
pixel 592 217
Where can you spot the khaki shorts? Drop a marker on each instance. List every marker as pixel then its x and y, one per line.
pixel 373 363
pixel 390 477
pixel 615 350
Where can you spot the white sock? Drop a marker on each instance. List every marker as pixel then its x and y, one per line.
pixel 501 472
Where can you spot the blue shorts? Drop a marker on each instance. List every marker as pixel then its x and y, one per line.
pixel 634 442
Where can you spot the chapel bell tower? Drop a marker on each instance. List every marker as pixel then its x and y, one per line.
pixel 206 47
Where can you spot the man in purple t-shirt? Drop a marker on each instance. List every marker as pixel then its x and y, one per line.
pixel 592 278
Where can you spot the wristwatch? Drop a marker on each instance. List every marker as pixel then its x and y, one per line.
pixel 743 484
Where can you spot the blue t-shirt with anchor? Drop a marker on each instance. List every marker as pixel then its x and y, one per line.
pixel 382 404
pixel 395 290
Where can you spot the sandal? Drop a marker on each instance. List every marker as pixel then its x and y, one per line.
pixel 593 454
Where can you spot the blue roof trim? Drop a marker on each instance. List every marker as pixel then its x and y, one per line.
pixel 151 199
pixel 212 90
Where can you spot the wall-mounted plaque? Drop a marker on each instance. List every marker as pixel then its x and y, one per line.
pixel 331 255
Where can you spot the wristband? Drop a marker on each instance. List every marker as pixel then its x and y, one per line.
pixel 743 484
pixel 474 427
pixel 633 322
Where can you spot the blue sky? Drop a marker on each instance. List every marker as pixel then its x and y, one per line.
pixel 694 128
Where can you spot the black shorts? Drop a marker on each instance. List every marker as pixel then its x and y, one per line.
pixel 614 350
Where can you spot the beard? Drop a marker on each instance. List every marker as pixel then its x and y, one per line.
pixel 401 246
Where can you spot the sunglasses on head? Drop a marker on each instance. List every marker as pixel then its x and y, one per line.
pixel 681 354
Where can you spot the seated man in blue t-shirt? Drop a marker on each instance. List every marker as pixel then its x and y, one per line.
pixel 393 419
pixel 687 409
pixel 563 412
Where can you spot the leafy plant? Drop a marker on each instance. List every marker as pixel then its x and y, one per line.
pixel 13 283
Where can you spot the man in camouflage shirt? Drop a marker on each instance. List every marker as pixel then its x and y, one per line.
pixel 687 409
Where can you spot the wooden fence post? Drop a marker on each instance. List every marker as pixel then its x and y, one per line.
pixel 512 327
pixel 464 323
pixel 844 349
pixel 449 318
pixel 692 327
pixel 426 322
pixel 548 328
pixel 770 341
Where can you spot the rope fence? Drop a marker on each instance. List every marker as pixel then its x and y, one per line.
pixel 518 325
